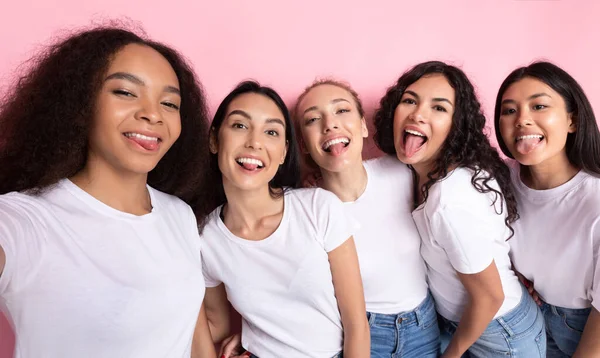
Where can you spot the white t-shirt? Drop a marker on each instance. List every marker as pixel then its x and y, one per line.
pixel 557 240
pixel 85 280
pixel 282 285
pixel 462 231
pixel 387 242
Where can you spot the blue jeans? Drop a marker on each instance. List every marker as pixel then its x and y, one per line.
pixel 518 333
pixel 564 327
pixel 410 334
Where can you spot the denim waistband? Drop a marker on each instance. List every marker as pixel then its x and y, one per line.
pixel 404 318
pixel 566 311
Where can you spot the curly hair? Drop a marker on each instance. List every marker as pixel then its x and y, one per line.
pixel 467 144
pixel 46 116
pixel 310 170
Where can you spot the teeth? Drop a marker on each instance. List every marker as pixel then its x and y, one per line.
pixel 410 131
pixel 250 161
pixel 530 136
pixel 329 143
pixel 141 136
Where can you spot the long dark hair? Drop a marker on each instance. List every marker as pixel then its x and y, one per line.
pixel 583 146
pixel 467 144
pixel 45 117
pixel 288 174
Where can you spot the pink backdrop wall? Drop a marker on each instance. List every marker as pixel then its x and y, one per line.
pixel 286 44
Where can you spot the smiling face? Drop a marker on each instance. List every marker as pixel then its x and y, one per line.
pixel 250 143
pixel 137 112
pixel 332 127
pixel 422 121
pixel 534 122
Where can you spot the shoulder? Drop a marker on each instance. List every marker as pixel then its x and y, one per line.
pixel 589 193
pixel 387 165
pixel 457 189
pixel 21 208
pixel 314 197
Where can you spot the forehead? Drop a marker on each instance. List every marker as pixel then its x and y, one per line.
pixel 435 85
pixel 323 94
pixel 526 87
pixel 256 104
pixel 145 63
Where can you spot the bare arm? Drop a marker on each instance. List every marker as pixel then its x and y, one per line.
pixel 218 312
pixel 589 346
pixel 202 344
pixel 485 299
pixel 350 297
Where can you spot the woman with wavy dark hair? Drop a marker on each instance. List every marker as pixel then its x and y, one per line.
pixel 283 257
pixel 102 144
pixel 545 122
pixel 464 205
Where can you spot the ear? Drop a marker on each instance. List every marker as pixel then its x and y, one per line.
pixel 572 120
pixel 212 141
pixel 364 129
pixel 284 152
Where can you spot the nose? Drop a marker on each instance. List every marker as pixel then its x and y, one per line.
pixel 523 119
pixel 149 112
pixel 418 115
pixel 253 140
pixel 330 123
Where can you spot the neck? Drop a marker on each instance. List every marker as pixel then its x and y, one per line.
pixel 125 192
pixel 246 209
pixel 549 174
pixel 348 184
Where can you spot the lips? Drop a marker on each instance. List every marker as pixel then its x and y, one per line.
pixel 249 163
pixel 146 141
pixel 526 143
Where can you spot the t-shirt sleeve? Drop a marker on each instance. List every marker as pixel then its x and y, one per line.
pixel 19 238
pixel 464 233
pixel 595 292
pixel 210 279
pixel 335 226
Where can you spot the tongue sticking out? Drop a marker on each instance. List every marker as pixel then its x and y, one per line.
pixel 146 144
pixel 336 149
pixel 412 143
pixel 526 145
pixel 249 166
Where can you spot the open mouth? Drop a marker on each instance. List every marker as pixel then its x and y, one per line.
pixel 413 141
pixel 527 143
pixel 147 142
pixel 336 146
pixel 250 163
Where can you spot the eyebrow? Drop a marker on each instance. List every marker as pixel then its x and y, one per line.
pixel 533 96
pixel 436 99
pixel 242 113
pixel 138 81
pixel 337 100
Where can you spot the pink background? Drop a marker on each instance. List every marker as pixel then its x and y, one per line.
pixel 286 44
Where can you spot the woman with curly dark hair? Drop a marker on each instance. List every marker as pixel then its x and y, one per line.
pixel 431 120
pixel 545 122
pixel 102 143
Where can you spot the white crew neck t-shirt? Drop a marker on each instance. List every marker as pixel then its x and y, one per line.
pixel 557 240
pixel 462 231
pixel 85 280
pixel 387 242
pixel 282 285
